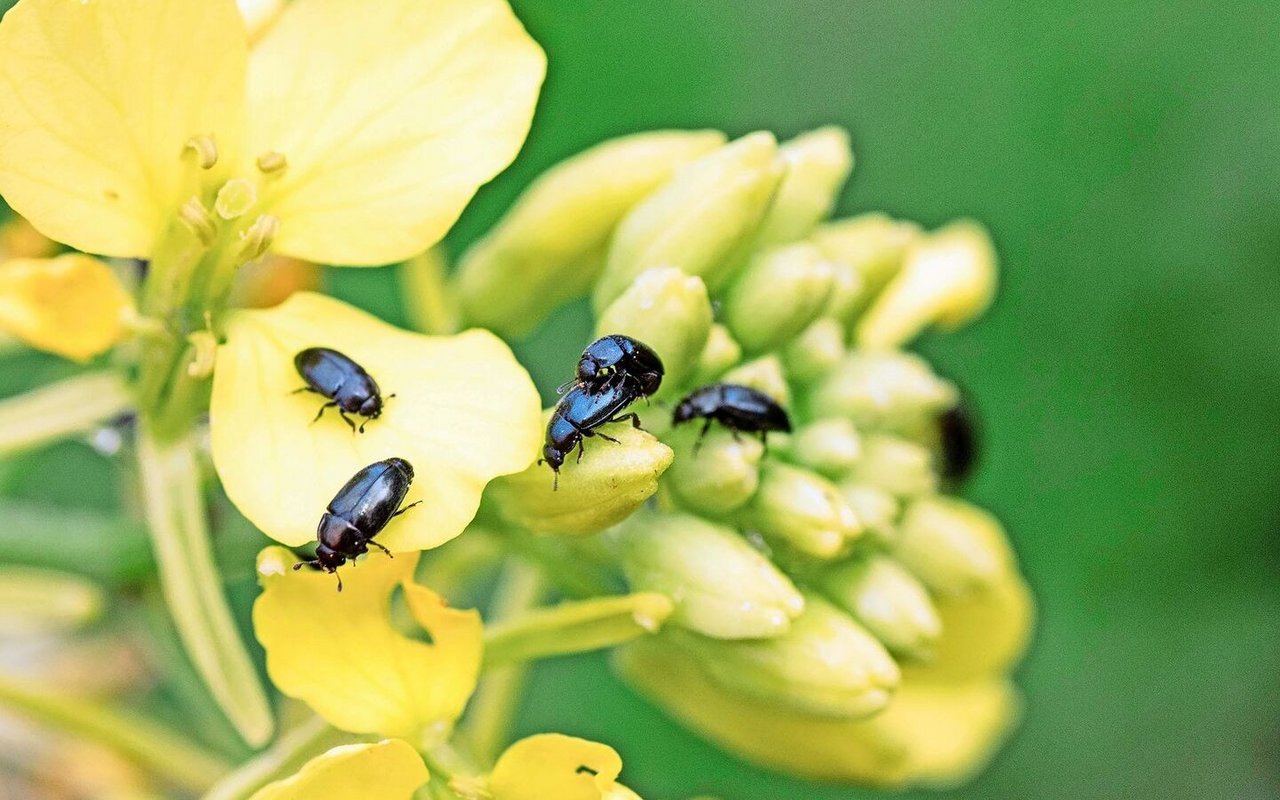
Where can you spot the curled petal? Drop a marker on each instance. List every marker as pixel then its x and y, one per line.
pixel 553 765
pixel 72 305
pixel 464 412
pixel 340 653
pixel 97 102
pixel 389 119
pixel 386 770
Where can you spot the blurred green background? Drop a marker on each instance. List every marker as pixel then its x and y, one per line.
pixel 1125 158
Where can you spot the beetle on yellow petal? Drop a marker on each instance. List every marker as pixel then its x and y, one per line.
pixel 72 305
pixel 386 770
pixel 553 765
pixel 342 655
pixel 464 412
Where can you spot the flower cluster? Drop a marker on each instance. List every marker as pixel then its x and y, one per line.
pixel 816 605
pixel 834 615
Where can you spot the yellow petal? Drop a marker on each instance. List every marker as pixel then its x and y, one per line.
pixel 389 117
pixel 930 733
pixel 464 412
pixel 340 653
pixel 386 770
pixel 97 101
pixel 553 765
pixel 982 633
pixel 72 305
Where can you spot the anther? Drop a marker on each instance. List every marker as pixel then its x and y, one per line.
pixel 272 162
pixel 235 198
pixel 205 149
pixel 257 239
pixel 196 217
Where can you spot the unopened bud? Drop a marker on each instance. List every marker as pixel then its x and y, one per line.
pixel 610 483
pixel 719 354
pixel 876 508
pixel 983 633
pixel 872 246
pixel 550 247
pixel 669 311
pixel 898 466
pixel 803 510
pixel 948 278
pixel 778 295
pixel 722 586
pixel 818 164
pixel 830 446
pixel 887 599
pixel 717 476
pixel 765 375
pixel 953 546
pixel 882 390
pixel 825 664
pixel 816 351
pixel 699 221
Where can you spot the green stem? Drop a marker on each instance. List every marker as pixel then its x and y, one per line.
pixel 152 746
pixel 61 409
pixel 192 587
pixel 493 706
pixel 290 752
pixel 575 627
pixel 427 294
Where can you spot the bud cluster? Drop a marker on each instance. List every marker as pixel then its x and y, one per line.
pixel 814 578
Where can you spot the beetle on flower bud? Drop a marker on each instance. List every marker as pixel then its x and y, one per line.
pixel 359 512
pixel 616 360
pixel 578 414
pixel 738 408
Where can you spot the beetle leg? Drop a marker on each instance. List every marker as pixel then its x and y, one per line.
pixel 381 547
pixel 702 434
pixel 581 450
pixel 398 513
pixel 304 389
pixel 320 413
pixel 635 419
pixel 346 419
pixel 607 437
pixel 764 440
pixel 736 437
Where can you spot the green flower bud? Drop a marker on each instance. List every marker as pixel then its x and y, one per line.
pixel 550 247
pixel 720 477
pixel 830 446
pixel 764 374
pixel 882 391
pixel 899 466
pixel 872 246
pixel 888 600
pixel 948 278
pixel 803 510
pixel 722 586
pixel 816 351
pixel 780 292
pixel 610 483
pixel 876 508
pixel 699 221
pixel 818 164
pixel 954 547
pixel 826 664
pixel 720 353
pixel 670 312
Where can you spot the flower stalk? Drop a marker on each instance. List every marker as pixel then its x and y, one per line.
pixel 61 409
pixel 192 586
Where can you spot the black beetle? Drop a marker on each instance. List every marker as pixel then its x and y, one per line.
pixel 617 359
pixel 345 383
pixel 359 511
pixel 577 415
pixel 958 440
pixel 738 408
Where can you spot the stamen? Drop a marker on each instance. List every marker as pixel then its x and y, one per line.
pixel 206 150
pixel 272 162
pixel 199 220
pixel 235 198
pixel 257 239
pixel 205 345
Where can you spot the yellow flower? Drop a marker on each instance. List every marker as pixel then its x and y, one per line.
pixel 72 305
pixel 343 656
pixel 362 135
pixel 551 765
pixel 386 770
pixel 464 412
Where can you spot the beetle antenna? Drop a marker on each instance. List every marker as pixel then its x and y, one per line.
pixel 564 387
pixel 555 482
